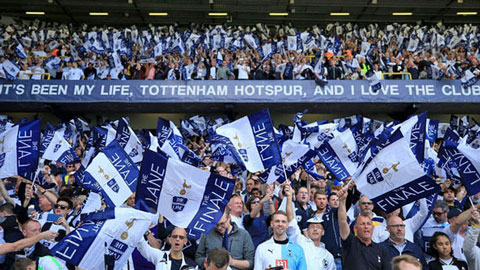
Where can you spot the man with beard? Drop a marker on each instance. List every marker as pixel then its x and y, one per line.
pixel 279 250
pixel 359 252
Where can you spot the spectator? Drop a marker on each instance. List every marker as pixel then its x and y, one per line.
pixel 238 241
pixel 321 202
pixel 169 260
pixel 75 73
pixel 270 253
pixel 217 259
pixel 316 256
pixel 256 222
pixel 302 213
pixel 397 245
pixel 359 251
pixel 441 250
pixel 406 262
pixel 235 207
pixel 470 247
pixel 223 72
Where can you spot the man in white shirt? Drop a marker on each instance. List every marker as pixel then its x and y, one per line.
pixel 243 70
pixel 75 73
pixel 316 256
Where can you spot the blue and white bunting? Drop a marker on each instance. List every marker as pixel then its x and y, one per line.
pixel 254 139
pixel 195 199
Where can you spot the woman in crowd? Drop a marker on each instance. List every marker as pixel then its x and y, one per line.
pixel 441 250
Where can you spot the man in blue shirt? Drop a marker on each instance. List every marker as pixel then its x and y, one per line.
pixel 279 250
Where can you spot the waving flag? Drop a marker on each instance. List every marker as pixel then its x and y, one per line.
pixel 113 231
pixel 467 161
pixel 19 150
pixel 112 173
pixel 294 155
pixel 169 137
pixel 188 197
pixel 254 140
pixel 129 141
pixel 340 155
pixel 20 52
pixel 40 179
pixel 10 70
pixel 60 150
pixel 47 137
pixel 394 177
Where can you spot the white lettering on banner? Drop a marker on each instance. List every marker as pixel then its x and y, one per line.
pixel 154 185
pixel 77 239
pixel 79 90
pixel 415 136
pixel 332 90
pixel 451 90
pixel 332 162
pixel 18 88
pixel 124 136
pixel 397 196
pixel 262 136
pixel 268 90
pixel 421 90
pixel 163 136
pixel 120 165
pixel 49 89
pixel 465 166
pixel 113 90
pixel 24 147
pixel 209 215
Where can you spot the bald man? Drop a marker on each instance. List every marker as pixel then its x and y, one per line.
pixel 172 259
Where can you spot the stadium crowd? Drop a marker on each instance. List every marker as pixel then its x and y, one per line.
pixel 304 223
pixel 198 52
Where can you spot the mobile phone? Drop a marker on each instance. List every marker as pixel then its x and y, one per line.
pixel 276 268
pixel 53 217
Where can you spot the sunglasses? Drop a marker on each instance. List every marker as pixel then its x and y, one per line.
pixel 438 213
pixel 175 236
pixel 255 202
pixel 63 207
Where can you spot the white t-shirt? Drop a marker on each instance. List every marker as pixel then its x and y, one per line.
pixel 243 72
pixel 75 74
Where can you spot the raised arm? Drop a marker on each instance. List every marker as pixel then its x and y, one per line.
pixel 342 214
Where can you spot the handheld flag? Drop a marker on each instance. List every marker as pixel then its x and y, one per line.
pixel 188 197
pixel 254 139
pixel 112 173
pixel 119 229
pixel 19 150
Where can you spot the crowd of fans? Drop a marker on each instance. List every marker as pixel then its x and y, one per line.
pixel 198 52
pixel 300 224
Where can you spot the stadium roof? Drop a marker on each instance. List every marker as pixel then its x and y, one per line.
pixel 243 12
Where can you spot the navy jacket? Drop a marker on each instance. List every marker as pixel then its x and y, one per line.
pixel 410 249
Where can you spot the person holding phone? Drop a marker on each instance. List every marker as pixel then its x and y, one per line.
pixel 57 221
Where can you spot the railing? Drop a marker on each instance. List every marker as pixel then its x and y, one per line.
pixel 36 73
pixel 397 73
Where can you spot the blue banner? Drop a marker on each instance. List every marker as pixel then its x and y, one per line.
pixel 422 91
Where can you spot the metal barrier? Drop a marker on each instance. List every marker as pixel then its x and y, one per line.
pixel 36 73
pixel 397 73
